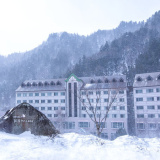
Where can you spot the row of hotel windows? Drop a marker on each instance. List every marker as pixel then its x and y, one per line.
pixel 42 101
pixel 84 115
pixel 40 94
pixel 49 108
pixel 105 108
pixel 149 90
pixel 104 92
pixel 71 125
pixel 151 126
pixel 140 99
pixel 98 100
pixel 148 116
pixel 148 107
pixel 108 116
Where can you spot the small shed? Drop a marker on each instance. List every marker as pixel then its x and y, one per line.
pixel 25 117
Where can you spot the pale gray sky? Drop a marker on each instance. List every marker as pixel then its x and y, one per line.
pixel 24 24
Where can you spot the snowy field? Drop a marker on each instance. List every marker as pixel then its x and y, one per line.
pixel 73 146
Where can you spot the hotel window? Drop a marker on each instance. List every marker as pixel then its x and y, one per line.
pixel 49 94
pixel 103 125
pixel 90 93
pixel 98 107
pixel 152 126
pixel 36 101
pixel 37 108
pixel 18 94
pixel 30 101
pixel 139 99
pixel 149 90
pixel 49 101
pixel 25 101
pixel 140 115
pixel 140 107
pixel 106 108
pixel 139 91
pixel 49 115
pixel 150 98
pixel 42 101
pixel 42 94
pixel 91 115
pixel 158 107
pixel 121 92
pixel 42 108
pixel 157 89
pixel 91 108
pixel 98 100
pixel 55 115
pixel 106 100
pixel 122 115
pixel 49 108
pixel 69 125
pixel 114 115
pixel 62 108
pixel 55 108
pixel 114 99
pixel 158 115
pixel 140 126
pixel 151 115
pixel 158 98
pixel 55 93
pixel 122 107
pixel 105 92
pixel 83 108
pixel 117 124
pixel 56 101
pixel 36 94
pixel 113 92
pixel 150 107
pixel 84 115
pixel 83 100
pixel 83 124
pixel 114 107
pixel 24 94
pixel 121 99
pixel 104 135
pixel 98 92
pixel 91 100
pixel 18 101
pixel 62 100
pixel 62 93
pixel 30 94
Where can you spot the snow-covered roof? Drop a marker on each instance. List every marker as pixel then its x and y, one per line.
pixel 147 79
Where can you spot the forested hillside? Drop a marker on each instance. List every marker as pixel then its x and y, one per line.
pixel 132 53
pixel 53 58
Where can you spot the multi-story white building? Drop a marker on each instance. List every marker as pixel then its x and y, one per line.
pixel 146 89
pixel 65 101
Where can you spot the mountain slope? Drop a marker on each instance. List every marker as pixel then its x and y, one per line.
pixel 53 58
pixel 124 54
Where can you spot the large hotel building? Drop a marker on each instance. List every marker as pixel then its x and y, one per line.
pixel 69 102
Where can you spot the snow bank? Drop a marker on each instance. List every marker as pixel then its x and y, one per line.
pixel 72 146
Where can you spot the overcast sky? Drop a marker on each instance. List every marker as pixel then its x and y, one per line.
pixel 25 24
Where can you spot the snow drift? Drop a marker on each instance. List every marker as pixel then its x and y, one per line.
pixel 72 146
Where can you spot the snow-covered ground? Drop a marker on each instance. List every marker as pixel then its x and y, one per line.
pixel 72 146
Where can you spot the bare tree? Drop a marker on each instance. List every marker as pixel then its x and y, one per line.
pixel 93 110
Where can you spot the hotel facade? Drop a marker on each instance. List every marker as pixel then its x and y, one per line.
pixel 146 91
pixel 69 102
